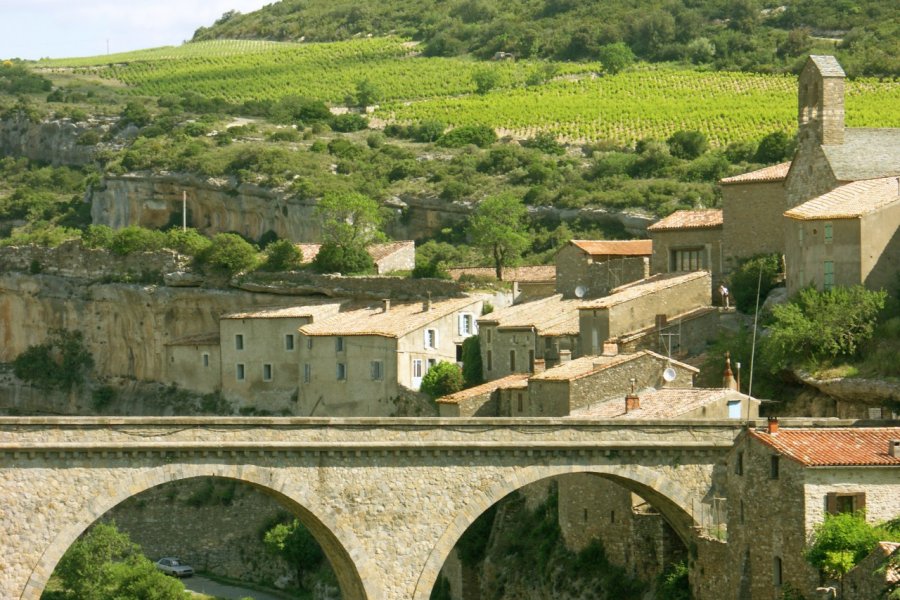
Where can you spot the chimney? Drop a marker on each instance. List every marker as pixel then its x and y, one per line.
pixel 773 425
pixel 540 365
pixel 426 306
pixel 610 349
pixel 728 381
pixel 894 448
pixel 632 400
pixel 387 304
pixel 565 356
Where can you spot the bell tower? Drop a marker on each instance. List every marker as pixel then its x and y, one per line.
pixel 820 100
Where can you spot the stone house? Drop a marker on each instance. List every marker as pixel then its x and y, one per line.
pixel 579 383
pixel 674 403
pixel 259 352
pixel 513 338
pixel 195 362
pixel 649 303
pixel 801 474
pixel 590 268
pixel 529 282
pixel 483 400
pixel 848 236
pixel 358 362
pixel 688 240
pixel 388 256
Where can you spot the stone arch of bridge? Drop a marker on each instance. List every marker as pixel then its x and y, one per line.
pixel 349 560
pixel 670 499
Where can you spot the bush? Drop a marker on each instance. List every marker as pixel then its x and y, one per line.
pixel 427 131
pixel 822 325
pixel 348 260
pixel 775 147
pixel 745 280
pixel 229 253
pixel 485 80
pixel 842 540
pixel 97 236
pixel 136 239
pixel 59 363
pixel 349 122
pixel 472 367
pixel 479 135
pixel 282 255
pixel 674 584
pixel 442 379
pixel 546 143
pixel 187 241
pixel 687 144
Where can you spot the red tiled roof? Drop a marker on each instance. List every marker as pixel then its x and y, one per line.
pixel 774 173
pixel 834 447
pixel 616 247
pixel 850 201
pixel 537 273
pixel 516 380
pixel 689 219
pixel 666 403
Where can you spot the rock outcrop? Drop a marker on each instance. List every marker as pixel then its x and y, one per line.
pixel 54 142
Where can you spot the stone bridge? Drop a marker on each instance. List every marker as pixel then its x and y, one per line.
pixel 387 499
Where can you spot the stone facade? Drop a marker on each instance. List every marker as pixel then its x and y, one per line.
pixel 689 248
pixel 751 220
pixel 595 273
pixel 387 499
pixel 195 363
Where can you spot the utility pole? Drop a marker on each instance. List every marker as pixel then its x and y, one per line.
pixel 183 210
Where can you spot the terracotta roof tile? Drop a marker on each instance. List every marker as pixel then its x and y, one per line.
pixel 587 365
pixel 401 319
pixel 850 201
pixel 834 447
pixel 312 308
pixel 551 315
pixel 615 247
pixel 667 403
pixel 514 381
pixel 689 219
pixel 774 173
pixel 650 285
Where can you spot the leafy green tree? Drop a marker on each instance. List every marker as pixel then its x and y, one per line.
pixel 442 379
pixel 350 219
pixel 229 253
pixel 497 226
pixel 615 57
pixel 282 255
pixel 187 241
pixel 136 239
pixel 774 147
pixel 97 236
pixel 347 260
pixel 134 113
pixel 105 563
pixel 479 135
pixel 485 80
pixel 367 93
pixel 59 363
pixel 822 325
pixel 473 370
pixel 295 544
pixel 687 144
pixel 746 279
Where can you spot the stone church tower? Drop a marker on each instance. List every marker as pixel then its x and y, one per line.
pixel 821 100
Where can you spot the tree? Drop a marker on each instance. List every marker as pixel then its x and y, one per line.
pixel 59 363
pixel 473 370
pixel 350 220
pixel 295 544
pixel 282 255
pixel 485 80
pixel 105 563
pixel 822 325
pixel 367 93
pixel 498 226
pixel 687 144
pixel 774 147
pixel 229 253
pixel 348 260
pixel 615 57
pixel 746 279
pixel 442 379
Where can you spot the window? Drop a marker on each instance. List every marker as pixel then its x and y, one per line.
pixel 239 372
pixel 309 343
pixel 828 281
pixel 239 341
pixel 488 334
pixel 459 353
pixel 431 338
pixel 520 402
pixel 776 571
pixel 289 341
pixel 774 467
pixel 267 372
pixel 341 372
pixel 377 368
pixel 466 324
pixel 531 361
pixel 339 344
pixel 206 359
pixel 739 464
pixel 417 368
pixel 844 502
pixel 829 233
pixel 741 516
pixel 307 373
pixel 687 259
pixel 512 361
pixel 490 362
pixel 800 234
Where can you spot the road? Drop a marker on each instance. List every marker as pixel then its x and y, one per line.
pixel 207 586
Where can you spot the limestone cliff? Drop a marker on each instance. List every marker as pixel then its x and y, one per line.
pixel 54 142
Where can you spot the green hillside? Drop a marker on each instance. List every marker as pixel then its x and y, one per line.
pixel 728 35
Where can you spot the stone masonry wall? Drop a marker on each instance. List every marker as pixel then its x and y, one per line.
pixel 752 221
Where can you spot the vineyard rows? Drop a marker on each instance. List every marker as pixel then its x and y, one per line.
pixel 577 105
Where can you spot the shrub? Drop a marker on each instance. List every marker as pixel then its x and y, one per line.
pixel 687 144
pixel 348 260
pixel 349 122
pixel 485 80
pixel 615 57
pixel 229 253
pixel 59 363
pixel 284 135
pixel 442 379
pixel 282 255
pixel 136 239
pixel 472 367
pixel 746 278
pixel 427 131
pixel 775 147
pixel 479 135
pixel 546 143
pixel 842 540
pixel 187 241
pixel 97 236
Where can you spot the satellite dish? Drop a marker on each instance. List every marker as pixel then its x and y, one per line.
pixel 580 291
pixel 669 375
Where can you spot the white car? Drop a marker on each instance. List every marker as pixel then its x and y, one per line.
pixel 174 567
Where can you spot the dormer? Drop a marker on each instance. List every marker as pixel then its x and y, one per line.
pixel 821 99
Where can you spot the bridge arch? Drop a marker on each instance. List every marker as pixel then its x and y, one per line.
pixel 349 560
pixel 672 500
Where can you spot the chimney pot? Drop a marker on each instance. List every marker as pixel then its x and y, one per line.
pixel 894 448
pixel 387 304
pixel 772 425
pixel 610 349
pixel 565 356
pixel 540 365
pixel 632 402
pixel 426 306
pixel 728 381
